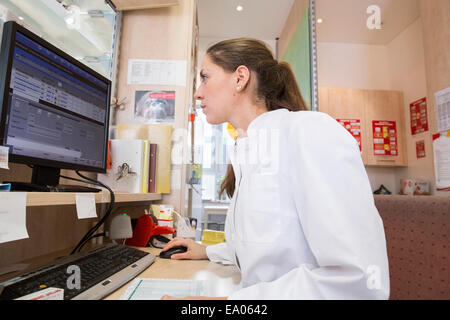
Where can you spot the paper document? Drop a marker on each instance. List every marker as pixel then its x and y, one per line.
pixel 154 289
pixel 441 148
pixel 157 72
pixel 443 109
pixel 13 215
pixel 85 203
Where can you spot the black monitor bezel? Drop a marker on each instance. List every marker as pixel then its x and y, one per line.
pixel 10 29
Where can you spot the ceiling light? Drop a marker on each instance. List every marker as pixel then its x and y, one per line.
pixel 239 8
pixel 70 20
pixel 21 18
pixel 319 20
pixel 72 17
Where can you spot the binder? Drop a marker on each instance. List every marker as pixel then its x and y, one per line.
pixel 160 134
pixel 145 167
pixel 131 153
pixel 152 168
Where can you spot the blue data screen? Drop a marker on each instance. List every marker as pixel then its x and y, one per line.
pixel 57 111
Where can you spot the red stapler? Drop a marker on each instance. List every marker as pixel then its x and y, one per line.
pixel 146 228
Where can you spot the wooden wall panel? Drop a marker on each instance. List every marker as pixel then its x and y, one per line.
pixel 435 16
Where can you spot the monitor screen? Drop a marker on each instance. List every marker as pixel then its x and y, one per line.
pixel 55 110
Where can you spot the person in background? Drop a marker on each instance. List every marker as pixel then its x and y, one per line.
pixel 302 223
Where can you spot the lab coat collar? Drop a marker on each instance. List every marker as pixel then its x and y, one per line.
pixel 259 119
pixel 256 123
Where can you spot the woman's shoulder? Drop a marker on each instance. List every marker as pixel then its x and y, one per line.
pixel 307 118
pixel 295 120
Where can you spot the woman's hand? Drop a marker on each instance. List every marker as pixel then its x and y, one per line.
pixel 194 251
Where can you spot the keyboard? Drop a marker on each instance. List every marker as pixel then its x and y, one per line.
pixel 88 275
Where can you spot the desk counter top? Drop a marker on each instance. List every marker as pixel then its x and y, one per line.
pixel 224 279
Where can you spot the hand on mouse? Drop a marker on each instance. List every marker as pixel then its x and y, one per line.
pixel 194 251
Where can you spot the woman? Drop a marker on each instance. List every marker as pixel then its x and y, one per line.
pixel 302 223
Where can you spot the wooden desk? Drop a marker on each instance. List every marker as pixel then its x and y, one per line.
pixel 224 279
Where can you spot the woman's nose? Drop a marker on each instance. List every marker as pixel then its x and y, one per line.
pixel 197 94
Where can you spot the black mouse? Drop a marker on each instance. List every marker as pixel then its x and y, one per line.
pixel 167 254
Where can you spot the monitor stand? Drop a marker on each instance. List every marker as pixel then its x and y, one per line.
pixel 46 179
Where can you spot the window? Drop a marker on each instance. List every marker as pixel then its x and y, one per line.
pixel 216 141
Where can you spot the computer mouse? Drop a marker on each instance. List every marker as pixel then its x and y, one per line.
pixel 167 254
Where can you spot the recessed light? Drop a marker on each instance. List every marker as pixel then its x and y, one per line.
pixel 239 8
pixel 21 18
pixel 319 20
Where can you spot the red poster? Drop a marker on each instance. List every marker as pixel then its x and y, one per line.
pixel 354 127
pixel 420 149
pixel 384 138
pixel 419 118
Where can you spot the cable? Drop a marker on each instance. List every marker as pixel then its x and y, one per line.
pixel 90 234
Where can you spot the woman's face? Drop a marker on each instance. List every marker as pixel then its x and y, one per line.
pixel 216 92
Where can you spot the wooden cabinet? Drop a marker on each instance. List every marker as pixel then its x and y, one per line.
pixel 143 4
pixel 344 104
pixel 368 106
pixel 385 106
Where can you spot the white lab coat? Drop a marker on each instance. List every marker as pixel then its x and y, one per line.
pixel 302 223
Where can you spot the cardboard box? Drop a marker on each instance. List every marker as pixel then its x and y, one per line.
pixel 415 187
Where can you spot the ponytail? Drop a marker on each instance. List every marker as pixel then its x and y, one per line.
pixel 276 83
pixel 278 87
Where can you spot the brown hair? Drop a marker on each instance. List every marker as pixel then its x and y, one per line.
pixel 276 84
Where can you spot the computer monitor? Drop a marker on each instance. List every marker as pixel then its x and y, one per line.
pixel 54 109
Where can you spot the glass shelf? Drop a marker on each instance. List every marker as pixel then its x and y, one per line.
pixel 85 29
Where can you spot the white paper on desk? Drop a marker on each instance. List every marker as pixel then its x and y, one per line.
pixel 85 203
pixel 443 109
pixel 13 215
pixel 157 72
pixel 154 289
pixel 441 149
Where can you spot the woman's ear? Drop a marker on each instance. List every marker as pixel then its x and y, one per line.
pixel 242 74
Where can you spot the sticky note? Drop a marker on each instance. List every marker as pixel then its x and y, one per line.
pixel 85 203
pixel 4 152
pixel 13 216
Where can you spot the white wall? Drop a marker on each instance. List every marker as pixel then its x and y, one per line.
pixel 354 66
pixel 407 74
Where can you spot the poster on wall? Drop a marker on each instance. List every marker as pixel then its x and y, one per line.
pixel 441 150
pixel 384 138
pixel 154 106
pixel 419 117
pixel 157 72
pixel 420 149
pixel 443 109
pixel 354 127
